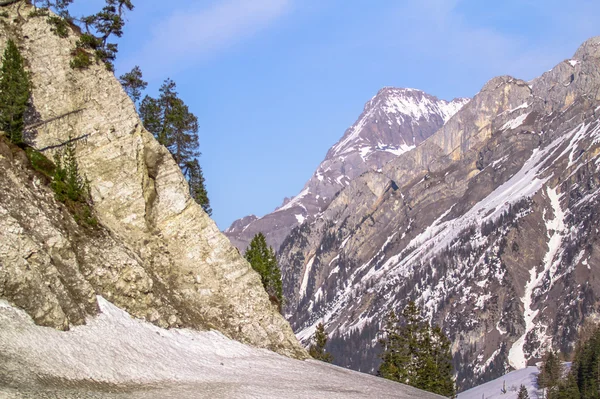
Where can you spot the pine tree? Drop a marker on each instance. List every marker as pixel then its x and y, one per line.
pixel 550 373
pixel 98 28
pixel 174 126
pixel 523 394
pixel 317 348
pixel 70 187
pixel 67 183
pixel 14 93
pixel 416 354
pixel 171 122
pixel 567 389
pixel 262 259
pixel 197 188
pixel 133 83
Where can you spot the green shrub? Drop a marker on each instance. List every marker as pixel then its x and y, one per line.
pixel 81 59
pixel 70 188
pixel 39 12
pixel 40 162
pixel 59 26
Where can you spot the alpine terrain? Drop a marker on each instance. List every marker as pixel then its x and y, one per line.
pixel 393 122
pixel 489 223
pixel 135 293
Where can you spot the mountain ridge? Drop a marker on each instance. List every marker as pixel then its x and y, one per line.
pixel 469 225
pixel 392 122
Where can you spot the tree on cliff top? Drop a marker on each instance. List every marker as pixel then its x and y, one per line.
pixel 169 119
pixel 98 29
pixel 133 83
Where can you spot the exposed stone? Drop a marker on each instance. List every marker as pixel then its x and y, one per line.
pixel 157 254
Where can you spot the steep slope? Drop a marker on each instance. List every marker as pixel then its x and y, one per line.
pixel 511 382
pixel 488 225
pixel 157 254
pixel 393 122
pixel 115 356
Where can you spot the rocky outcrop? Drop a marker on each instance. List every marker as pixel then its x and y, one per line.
pixel 156 254
pixel 487 225
pixel 392 123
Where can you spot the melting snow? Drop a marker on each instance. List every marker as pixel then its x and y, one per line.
pixel 440 234
pixel 364 152
pixel 294 201
pixel 307 270
pixel 300 218
pixel 516 122
pixel 516 355
pixel 178 363
pixel 512 381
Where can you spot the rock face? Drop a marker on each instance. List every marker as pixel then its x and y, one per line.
pixel 489 225
pixel 393 122
pixel 156 254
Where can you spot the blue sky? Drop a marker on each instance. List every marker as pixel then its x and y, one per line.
pixel 275 83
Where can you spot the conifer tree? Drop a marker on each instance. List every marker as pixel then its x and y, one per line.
pixel 317 348
pixel 174 126
pixel 197 188
pixel 133 83
pixel 67 182
pixel 14 93
pixel 262 259
pixel 416 354
pixel 550 373
pixel 523 394
pixel 99 27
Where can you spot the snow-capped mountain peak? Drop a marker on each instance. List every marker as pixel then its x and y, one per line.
pixel 393 122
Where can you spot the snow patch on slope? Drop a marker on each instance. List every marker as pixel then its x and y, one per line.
pixel 307 271
pixel 515 123
pixel 512 381
pixel 178 363
pixel 294 201
pixel 516 355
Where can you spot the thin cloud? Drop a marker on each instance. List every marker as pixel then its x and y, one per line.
pixel 187 36
pixel 438 32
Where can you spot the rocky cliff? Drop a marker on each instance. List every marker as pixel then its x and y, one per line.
pixel 489 225
pixel 393 122
pixel 156 254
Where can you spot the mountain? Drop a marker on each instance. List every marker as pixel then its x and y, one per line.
pixel 150 300
pixel 489 225
pixel 393 122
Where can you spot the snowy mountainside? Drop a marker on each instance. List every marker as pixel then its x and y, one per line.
pixel 114 353
pixel 393 122
pixel 511 382
pixel 489 225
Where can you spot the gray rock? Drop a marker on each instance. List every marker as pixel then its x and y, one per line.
pixel 393 122
pixel 488 225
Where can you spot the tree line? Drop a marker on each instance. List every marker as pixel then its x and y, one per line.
pixel 582 380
